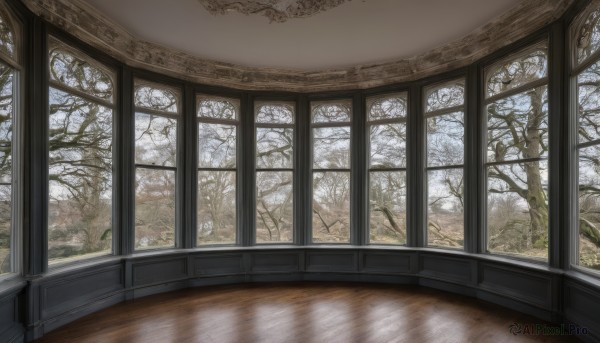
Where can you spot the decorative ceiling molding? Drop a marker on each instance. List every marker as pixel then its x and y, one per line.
pixel 276 10
pixel 92 27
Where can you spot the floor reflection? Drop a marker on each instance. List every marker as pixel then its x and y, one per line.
pixel 302 313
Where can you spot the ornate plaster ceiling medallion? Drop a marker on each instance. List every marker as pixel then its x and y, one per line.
pixel 276 10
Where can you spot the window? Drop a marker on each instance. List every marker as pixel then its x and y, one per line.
pixel 386 125
pixel 445 131
pixel 8 138
pixel 517 154
pixel 588 142
pixel 81 106
pixel 156 116
pixel 218 122
pixel 274 172
pixel 331 171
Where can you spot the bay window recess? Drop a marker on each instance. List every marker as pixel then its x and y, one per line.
pixel 386 126
pixel 9 138
pixel 587 104
pixel 510 174
pixel 331 157
pixel 516 165
pixel 157 113
pixel 218 129
pixel 81 107
pixel 445 132
pixel 275 122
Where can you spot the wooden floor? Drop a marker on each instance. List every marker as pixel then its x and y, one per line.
pixel 301 312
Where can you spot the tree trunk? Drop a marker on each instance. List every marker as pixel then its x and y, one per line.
pixel 536 197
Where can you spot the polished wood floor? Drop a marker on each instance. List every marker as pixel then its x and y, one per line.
pixel 301 312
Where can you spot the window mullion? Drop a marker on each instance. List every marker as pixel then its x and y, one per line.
pixel 302 180
pixel 126 168
pixel 190 168
pixel 246 172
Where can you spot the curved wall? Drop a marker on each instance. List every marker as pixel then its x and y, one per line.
pixel 89 25
pixel 64 295
pixel 42 301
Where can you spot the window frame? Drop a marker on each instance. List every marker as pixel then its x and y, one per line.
pixel 574 69
pixel 256 103
pixel 532 44
pixel 462 167
pixel 138 82
pixel 369 100
pixel 58 41
pixel 16 64
pixel 350 170
pixel 238 102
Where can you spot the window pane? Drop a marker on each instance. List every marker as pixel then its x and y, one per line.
pixel 155 140
pixel 518 126
pixel 5 228
pixel 331 207
pixel 445 208
pixel 6 123
pixel 80 174
pixel 216 207
pixel 217 108
pixel 445 140
pixel 448 95
pixel 7 38
pixel 589 207
pixel 517 209
pixel 275 113
pixel 79 74
pixel 274 207
pixel 588 37
pixel 216 145
pixel 387 207
pixel 156 98
pixel 332 112
pixel 331 147
pixel 588 92
pixel 274 147
pixel 528 66
pixel 387 107
pixel 79 216
pixel 387 146
pixel 6 153
pixel 154 208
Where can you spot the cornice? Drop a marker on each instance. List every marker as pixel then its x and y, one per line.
pixel 92 27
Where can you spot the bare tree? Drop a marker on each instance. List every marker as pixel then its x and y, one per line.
pixel 80 161
pixel 518 144
pixel 217 176
pixel 6 146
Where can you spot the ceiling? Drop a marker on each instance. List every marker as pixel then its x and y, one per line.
pixel 357 32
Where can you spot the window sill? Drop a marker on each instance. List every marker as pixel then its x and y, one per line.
pixel 11 283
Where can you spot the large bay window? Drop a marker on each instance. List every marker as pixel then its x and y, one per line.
pixel 461 161
pixel 516 105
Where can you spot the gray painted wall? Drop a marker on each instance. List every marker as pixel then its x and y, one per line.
pixel 62 296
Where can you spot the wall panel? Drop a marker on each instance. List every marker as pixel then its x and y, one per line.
pixel 159 271
pixel 531 287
